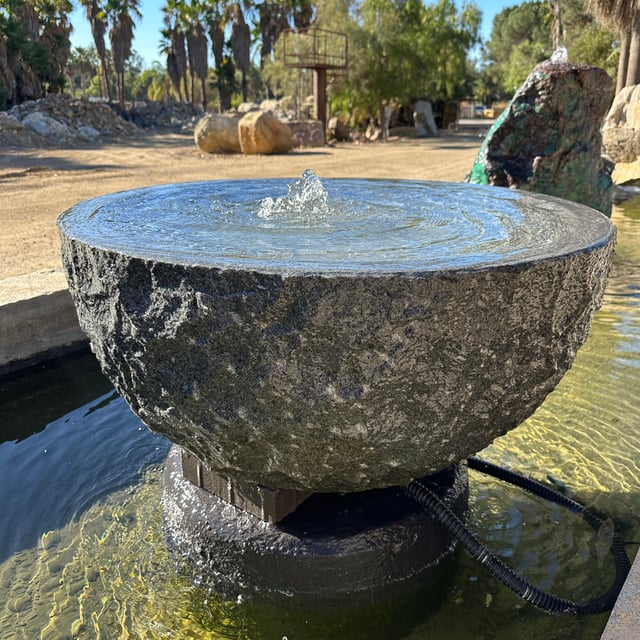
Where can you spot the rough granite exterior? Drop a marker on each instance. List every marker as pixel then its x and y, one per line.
pixel 334 382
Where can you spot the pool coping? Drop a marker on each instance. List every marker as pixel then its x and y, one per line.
pixel 38 321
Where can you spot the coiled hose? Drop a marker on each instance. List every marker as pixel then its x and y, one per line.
pixel 546 601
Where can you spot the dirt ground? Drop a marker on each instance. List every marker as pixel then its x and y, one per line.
pixel 37 185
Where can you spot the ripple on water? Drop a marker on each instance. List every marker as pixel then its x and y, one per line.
pixel 345 226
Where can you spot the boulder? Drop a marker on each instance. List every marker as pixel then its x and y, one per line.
pixel 423 119
pixel 338 130
pixel 307 133
pixel 87 133
pixel 217 134
pixel 269 105
pixel 261 133
pixel 621 134
pixel 246 107
pixel 548 139
pixel 45 125
pixel 9 123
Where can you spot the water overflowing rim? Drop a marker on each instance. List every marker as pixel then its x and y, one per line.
pixel 601 228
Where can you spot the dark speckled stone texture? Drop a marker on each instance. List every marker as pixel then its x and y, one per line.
pixel 330 382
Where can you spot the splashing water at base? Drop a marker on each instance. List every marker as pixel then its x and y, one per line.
pixel 306 198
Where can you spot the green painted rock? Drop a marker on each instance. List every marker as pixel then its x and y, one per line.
pixel 548 139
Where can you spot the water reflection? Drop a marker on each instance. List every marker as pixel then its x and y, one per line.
pixel 83 553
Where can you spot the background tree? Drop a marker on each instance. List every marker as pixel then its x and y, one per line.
pixel 174 18
pixel 82 66
pixel 402 49
pixel 198 49
pixel 98 22
pixel 154 83
pixel 121 17
pixel 55 30
pixel 241 45
pixel 214 19
pixel 624 17
pixel 521 37
pixel 34 47
pixel 173 72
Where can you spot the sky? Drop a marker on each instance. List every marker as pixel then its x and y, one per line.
pixel 146 36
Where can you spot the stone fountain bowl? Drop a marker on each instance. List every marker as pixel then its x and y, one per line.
pixel 378 332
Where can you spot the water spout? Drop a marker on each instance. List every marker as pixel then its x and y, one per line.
pixel 305 197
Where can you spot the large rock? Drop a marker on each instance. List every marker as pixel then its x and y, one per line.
pixel 338 130
pixel 548 139
pixel 307 133
pixel 261 133
pixel 45 125
pixel 217 134
pixel 621 135
pixel 313 353
pixel 9 123
pixel 423 119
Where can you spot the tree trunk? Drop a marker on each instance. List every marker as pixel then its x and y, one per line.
pixel 623 63
pixel 203 84
pixel 121 90
pixel 633 70
pixel 381 119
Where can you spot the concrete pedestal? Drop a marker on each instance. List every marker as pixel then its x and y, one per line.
pixel 333 544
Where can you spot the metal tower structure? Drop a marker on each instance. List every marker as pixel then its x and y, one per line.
pixel 320 50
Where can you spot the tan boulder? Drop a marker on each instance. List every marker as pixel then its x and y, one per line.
pixel 621 135
pixel 621 129
pixel 261 133
pixel 217 134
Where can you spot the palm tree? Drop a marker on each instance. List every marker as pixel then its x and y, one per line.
pixel 98 21
pixel 272 21
pixel 166 47
pixel 241 45
pixel 215 15
pixel 198 59
pixel 197 46
pixel 624 15
pixel 121 37
pixel 303 12
pixel 34 48
pixel 55 40
pixel 174 17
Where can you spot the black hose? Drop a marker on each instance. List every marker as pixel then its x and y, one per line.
pixel 519 585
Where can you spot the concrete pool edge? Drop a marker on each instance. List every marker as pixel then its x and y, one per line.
pixel 38 321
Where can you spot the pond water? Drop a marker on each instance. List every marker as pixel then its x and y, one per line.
pixel 83 552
